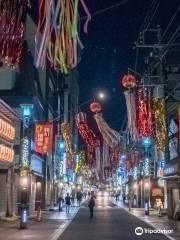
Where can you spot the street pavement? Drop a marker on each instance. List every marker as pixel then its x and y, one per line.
pixel 52 225
pixel 109 223
pixel 156 221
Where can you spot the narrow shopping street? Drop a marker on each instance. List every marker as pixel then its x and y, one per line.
pixel 109 222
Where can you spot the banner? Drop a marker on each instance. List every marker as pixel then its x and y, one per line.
pixel 43 137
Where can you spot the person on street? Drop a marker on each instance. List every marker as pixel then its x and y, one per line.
pixel 68 202
pixel 91 206
pixel 130 199
pixel 72 198
pixel 60 200
pixel 79 198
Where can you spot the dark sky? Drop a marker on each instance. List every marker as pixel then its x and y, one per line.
pixel 108 53
pixel 108 50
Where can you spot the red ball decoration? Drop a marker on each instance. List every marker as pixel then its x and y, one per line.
pixel 129 81
pixel 95 107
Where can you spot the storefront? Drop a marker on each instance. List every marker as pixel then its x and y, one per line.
pixel 37 182
pixel 172 177
pixel 8 179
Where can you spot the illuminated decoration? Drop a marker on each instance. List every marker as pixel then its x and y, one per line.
pixel 12 27
pixel 131 113
pixel 6 153
pixel 59 157
pixel 57 37
pixel 26 114
pixel 7 131
pixel 84 130
pixel 25 155
pixel 144 113
pixel 64 163
pixel 135 173
pixel 110 136
pixel 160 123
pixel 146 167
pixel 129 81
pixel 147 142
pixel 95 107
pixel 66 133
pixel 80 161
pixel 43 137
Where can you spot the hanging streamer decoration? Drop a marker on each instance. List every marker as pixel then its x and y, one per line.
pixel 110 136
pixel 57 36
pixel 160 123
pixel 144 113
pixel 131 113
pixel 12 27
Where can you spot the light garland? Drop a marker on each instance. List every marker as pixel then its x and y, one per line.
pixel 144 114
pixel 81 162
pixel 66 132
pixel 160 123
pixel 84 130
pixel 7 131
pixel 12 27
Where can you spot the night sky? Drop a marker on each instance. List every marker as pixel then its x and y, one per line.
pixel 108 50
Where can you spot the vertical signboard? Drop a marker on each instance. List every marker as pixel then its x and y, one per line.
pixel 43 138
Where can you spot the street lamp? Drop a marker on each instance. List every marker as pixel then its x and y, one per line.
pixel 146 189
pixel 24 185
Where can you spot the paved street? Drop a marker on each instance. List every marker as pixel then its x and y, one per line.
pixel 52 225
pixel 109 223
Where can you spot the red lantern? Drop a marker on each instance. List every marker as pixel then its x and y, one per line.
pixel 95 107
pixel 129 81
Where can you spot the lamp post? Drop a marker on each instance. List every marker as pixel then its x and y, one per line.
pixel 24 178
pixel 146 193
pixel 24 185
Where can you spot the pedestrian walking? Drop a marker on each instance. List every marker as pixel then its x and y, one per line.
pixel 60 201
pixel 72 199
pixel 68 202
pixel 79 198
pixel 130 199
pixel 91 206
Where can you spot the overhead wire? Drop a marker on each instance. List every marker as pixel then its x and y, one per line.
pixel 107 9
pixel 170 23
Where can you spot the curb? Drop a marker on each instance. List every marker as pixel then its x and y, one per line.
pixel 58 232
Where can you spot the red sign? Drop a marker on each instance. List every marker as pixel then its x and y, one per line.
pixel 43 137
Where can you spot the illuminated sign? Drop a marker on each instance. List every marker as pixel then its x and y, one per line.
pixel 43 138
pixel 25 151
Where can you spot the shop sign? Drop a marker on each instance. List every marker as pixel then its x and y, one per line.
pixel 59 156
pixel 43 138
pixel 161 182
pixel 171 169
pixel 6 153
pixel 36 163
pixel 157 192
